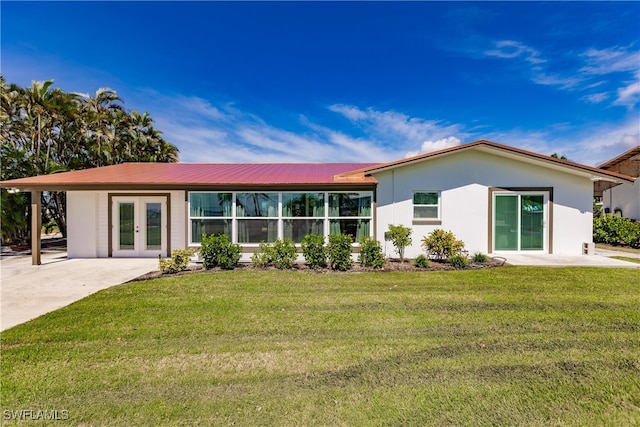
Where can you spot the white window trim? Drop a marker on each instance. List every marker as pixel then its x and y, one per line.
pixel 438 219
pixel 234 218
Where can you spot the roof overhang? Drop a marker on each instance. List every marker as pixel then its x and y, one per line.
pixel 595 174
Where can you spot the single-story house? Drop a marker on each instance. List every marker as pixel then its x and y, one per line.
pixel 623 199
pixel 497 199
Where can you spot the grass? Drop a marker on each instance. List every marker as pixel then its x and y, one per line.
pixel 626 258
pixel 627 249
pixel 506 346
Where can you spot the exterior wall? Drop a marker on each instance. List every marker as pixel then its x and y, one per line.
pixel 82 224
pixel 625 197
pixel 88 221
pixel 464 180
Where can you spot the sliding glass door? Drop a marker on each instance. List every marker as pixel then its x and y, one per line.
pixel 520 221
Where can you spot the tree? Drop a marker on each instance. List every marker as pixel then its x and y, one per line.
pixel 45 130
pixel 563 157
pixel 400 237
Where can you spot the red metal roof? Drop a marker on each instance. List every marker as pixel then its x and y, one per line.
pixel 227 175
pixel 182 175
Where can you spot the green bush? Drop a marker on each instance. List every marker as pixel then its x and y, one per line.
pixel 264 256
pixel 370 253
pixel 217 250
pixel 421 261
pixel 314 251
pixel 441 245
pixel 616 230
pixel 458 261
pixel 284 253
pixel 480 258
pixel 339 252
pixel 179 261
pixel 400 237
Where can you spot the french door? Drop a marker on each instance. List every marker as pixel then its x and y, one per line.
pixel 520 221
pixel 139 226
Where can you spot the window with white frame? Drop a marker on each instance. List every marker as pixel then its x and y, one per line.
pixel 255 217
pixel 302 214
pixel 209 213
pixel 350 213
pixel 426 205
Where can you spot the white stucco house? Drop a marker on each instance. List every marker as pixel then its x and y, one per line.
pixel 497 199
pixel 623 199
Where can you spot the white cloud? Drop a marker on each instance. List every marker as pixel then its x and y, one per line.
pixel 428 146
pixel 590 144
pixel 606 61
pixel 596 98
pixel 509 49
pixel 629 95
pixel 545 79
pixel 400 131
pixel 596 63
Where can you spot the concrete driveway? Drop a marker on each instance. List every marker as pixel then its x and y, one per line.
pixel 30 291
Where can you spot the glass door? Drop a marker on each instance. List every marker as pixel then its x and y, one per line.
pixel 519 221
pixel 139 226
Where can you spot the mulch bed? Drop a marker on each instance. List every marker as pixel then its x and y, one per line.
pixel 389 266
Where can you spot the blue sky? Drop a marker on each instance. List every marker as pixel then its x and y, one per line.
pixel 346 81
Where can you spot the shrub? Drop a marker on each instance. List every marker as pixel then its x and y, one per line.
pixel 179 261
pixel 458 261
pixel 339 252
pixel 284 253
pixel 263 257
pixel 400 237
pixel 370 253
pixel 217 250
pixel 441 245
pixel 314 250
pixel 616 230
pixel 480 257
pixel 421 261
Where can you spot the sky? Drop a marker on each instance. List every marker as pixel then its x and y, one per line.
pixel 346 81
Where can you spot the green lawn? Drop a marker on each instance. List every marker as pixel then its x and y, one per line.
pixel 506 346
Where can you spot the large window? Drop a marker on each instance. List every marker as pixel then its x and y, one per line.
pixel 209 213
pixel 302 213
pixel 251 218
pixel 350 213
pixel 257 217
pixel 426 205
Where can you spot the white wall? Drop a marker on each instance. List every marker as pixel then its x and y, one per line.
pixel 82 219
pixel 88 216
pixel 625 197
pixel 464 180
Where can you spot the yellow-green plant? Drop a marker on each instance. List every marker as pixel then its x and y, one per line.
pixel 179 261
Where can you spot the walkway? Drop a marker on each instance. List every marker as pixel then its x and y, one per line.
pixel 602 258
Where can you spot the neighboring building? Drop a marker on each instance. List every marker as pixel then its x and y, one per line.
pixel 496 198
pixel 622 199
